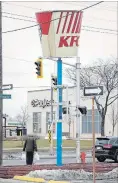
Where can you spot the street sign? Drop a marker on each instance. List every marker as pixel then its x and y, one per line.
pixel 5 96
pixel 7 87
pixel 93 90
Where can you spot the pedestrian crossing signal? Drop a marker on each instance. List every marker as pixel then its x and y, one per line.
pixel 39 68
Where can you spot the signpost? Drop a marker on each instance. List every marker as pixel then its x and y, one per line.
pixel 61 39
pixel 7 87
pixel 5 96
pixel 93 91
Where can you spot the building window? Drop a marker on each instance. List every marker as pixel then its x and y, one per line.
pixel 37 122
pixel 48 119
pixel 87 122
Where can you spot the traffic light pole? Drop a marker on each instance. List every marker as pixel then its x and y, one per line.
pixel 77 110
pixel 59 122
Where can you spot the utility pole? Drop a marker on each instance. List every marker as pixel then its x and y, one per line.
pixel 77 110
pixel 1 102
pixel 93 131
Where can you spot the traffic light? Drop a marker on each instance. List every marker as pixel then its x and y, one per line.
pixel 39 68
pixel 54 80
pixel 64 110
pixel 83 110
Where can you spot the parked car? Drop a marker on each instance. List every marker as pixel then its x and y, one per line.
pixel 106 148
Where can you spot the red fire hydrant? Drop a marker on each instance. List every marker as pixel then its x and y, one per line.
pixel 83 157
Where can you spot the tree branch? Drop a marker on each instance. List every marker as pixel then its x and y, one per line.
pixel 113 97
pixel 112 101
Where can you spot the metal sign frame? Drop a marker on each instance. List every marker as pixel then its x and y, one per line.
pixel 93 90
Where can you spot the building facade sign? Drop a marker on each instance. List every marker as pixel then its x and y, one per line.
pixel 41 103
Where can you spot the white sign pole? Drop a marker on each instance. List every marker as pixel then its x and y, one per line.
pixel 77 110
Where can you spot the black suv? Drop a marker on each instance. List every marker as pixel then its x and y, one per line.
pixel 106 148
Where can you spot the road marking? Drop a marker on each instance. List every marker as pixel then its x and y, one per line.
pixel 29 179
pixel 53 181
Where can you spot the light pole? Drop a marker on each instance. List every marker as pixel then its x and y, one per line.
pixel 77 110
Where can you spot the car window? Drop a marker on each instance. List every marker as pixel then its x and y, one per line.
pixel 116 142
pixel 100 141
pixel 112 141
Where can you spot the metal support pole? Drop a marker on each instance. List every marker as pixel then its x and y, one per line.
pixel 1 102
pixel 51 144
pixel 117 90
pixel 67 105
pixel 70 119
pixel 59 122
pixel 77 110
pixel 5 121
pixel 93 131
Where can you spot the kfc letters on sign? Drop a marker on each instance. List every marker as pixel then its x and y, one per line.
pixel 60 32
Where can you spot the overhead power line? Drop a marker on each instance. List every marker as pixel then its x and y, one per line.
pixel 9 13
pixel 98 8
pixel 91 27
pixel 19 19
pixel 99 28
pixel 32 62
pixel 21 87
pixel 12 58
pixel 71 3
pixel 24 16
pixel 53 19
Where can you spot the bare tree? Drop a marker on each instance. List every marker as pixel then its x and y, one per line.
pixel 114 118
pixel 23 116
pixel 101 73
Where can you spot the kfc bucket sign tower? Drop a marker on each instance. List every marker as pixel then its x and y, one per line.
pixel 60 37
pixel 60 32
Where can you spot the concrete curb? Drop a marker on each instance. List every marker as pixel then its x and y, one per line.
pixel 32 179
pixel 28 179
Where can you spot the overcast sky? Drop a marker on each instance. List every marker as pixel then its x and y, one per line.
pixel 22 48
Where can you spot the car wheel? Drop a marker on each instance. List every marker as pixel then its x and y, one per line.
pixel 101 159
pixel 116 158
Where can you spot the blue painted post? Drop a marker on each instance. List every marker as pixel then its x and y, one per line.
pixel 59 123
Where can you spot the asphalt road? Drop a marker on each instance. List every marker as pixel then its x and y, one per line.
pixel 74 181
pixel 41 161
pixel 43 150
pixel 65 160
